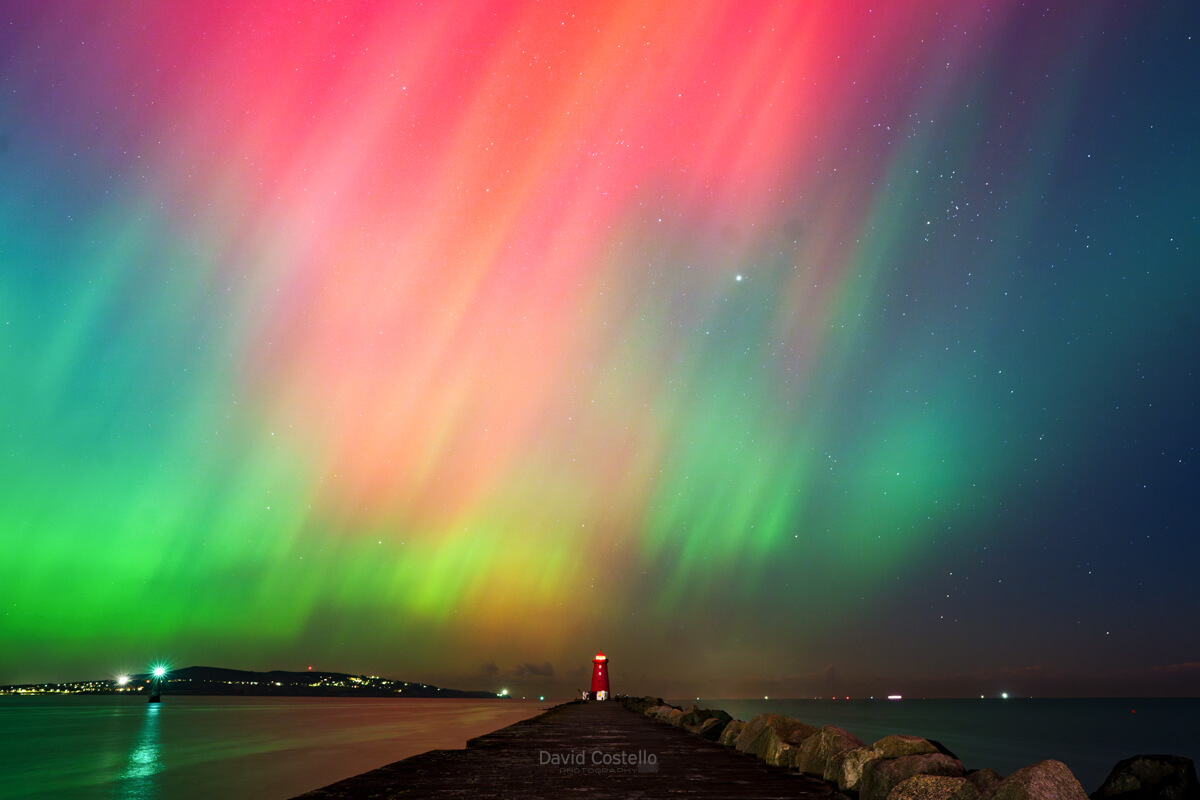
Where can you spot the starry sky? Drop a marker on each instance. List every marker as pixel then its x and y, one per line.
pixel 774 348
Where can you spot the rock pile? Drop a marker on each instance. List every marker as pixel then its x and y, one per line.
pixel 1150 777
pixel 901 767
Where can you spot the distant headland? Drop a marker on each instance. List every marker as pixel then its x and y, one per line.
pixel 237 682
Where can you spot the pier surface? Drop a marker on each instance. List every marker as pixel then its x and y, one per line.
pixel 594 750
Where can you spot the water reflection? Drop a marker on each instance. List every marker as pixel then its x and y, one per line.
pixel 140 780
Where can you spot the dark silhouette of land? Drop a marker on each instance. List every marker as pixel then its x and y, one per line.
pixel 237 682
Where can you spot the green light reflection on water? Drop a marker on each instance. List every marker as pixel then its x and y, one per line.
pixel 145 761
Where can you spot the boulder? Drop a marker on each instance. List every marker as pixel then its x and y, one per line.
pixel 696 716
pixel 900 744
pixel 1045 780
pixel 846 768
pixel 730 734
pixel 927 787
pixel 674 717
pixel 967 791
pixel 817 749
pixel 773 738
pixel 983 781
pixel 661 712
pixel 1150 777
pixel 640 704
pixel 882 775
pixel 941 748
pixel 748 740
pixel 710 729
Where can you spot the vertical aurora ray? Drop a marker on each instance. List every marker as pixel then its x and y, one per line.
pixel 484 330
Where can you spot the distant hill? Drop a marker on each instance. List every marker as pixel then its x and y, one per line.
pixel 235 682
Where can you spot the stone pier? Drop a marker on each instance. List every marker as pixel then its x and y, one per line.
pixel 596 750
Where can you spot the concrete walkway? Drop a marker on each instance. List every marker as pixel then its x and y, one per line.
pixel 592 750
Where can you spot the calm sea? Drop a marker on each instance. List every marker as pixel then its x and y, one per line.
pixel 1089 736
pixel 204 747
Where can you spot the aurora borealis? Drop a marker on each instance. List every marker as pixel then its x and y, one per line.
pixel 770 347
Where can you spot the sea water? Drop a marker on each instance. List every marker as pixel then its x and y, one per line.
pixel 1089 735
pixel 231 747
pixel 200 747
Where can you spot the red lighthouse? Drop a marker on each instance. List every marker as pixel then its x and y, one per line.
pixel 600 677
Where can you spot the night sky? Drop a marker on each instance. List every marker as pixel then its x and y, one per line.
pixel 774 348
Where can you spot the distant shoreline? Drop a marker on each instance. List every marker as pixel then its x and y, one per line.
pixel 224 682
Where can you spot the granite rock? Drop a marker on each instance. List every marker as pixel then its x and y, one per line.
pixel 982 781
pixel 732 730
pixel 882 775
pixel 900 744
pixel 641 704
pixel 710 729
pixel 1045 780
pixel 773 738
pixel 967 791
pixel 814 754
pixel 926 787
pixel 1150 777
pixel 657 712
pixel 846 768
pixel 696 715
